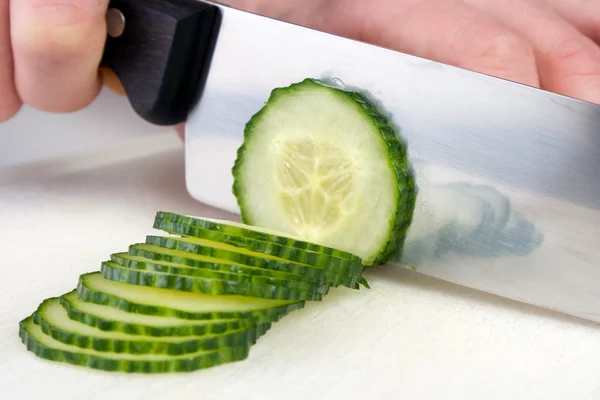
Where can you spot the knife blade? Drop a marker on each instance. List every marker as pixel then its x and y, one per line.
pixel 513 170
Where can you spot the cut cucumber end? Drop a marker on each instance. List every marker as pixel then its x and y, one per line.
pixel 326 165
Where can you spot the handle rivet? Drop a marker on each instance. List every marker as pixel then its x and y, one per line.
pixel 115 22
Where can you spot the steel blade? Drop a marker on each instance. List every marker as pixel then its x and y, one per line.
pixel 538 152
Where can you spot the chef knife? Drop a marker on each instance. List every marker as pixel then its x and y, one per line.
pixel 514 171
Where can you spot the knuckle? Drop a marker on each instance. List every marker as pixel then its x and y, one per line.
pixel 49 51
pixel 502 45
pixel 56 29
pixel 575 57
pixel 500 52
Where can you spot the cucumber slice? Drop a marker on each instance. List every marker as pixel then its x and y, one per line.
pixel 281 251
pixel 322 273
pixel 114 320
pixel 55 322
pixel 93 288
pixel 247 234
pixel 325 164
pixel 44 346
pixel 114 272
pixel 140 263
pixel 156 253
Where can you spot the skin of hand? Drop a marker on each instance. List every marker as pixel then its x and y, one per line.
pixel 50 49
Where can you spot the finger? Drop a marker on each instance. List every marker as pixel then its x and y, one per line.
pixel 583 14
pixel 280 9
pixel 449 32
pixel 9 100
pixel 568 61
pixel 57 47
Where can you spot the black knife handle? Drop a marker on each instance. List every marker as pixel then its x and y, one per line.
pixel 162 55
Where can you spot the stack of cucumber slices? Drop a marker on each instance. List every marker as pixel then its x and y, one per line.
pixel 194 299
pixel 324 190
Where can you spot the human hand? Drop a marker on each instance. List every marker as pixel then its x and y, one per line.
pixel 552 44
pixel 52 64
pixel 49 54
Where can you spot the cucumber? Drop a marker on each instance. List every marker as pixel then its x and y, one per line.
pixel 45 347
pixel 324 189
pixel 93 288
pixel 194 284
pixel 325 164
pixel 281 251
pixel 114 320
pixel 240 233
pixel 143 264
pixel 321 273
pixel 55 322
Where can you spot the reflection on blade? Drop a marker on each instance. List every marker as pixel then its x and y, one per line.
pixel 466 218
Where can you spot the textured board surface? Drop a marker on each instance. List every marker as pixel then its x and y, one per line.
pixel 410 336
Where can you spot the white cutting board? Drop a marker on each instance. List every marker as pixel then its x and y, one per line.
pixel 409 337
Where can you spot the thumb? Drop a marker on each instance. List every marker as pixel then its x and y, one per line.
pixel 57 47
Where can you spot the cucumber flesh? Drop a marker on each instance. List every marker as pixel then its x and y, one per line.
pixel 326 165
pixel 284 290
pixel 114 320
pixel 245 233
pixel 55 322
pixel 45 347
pixel 94 288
